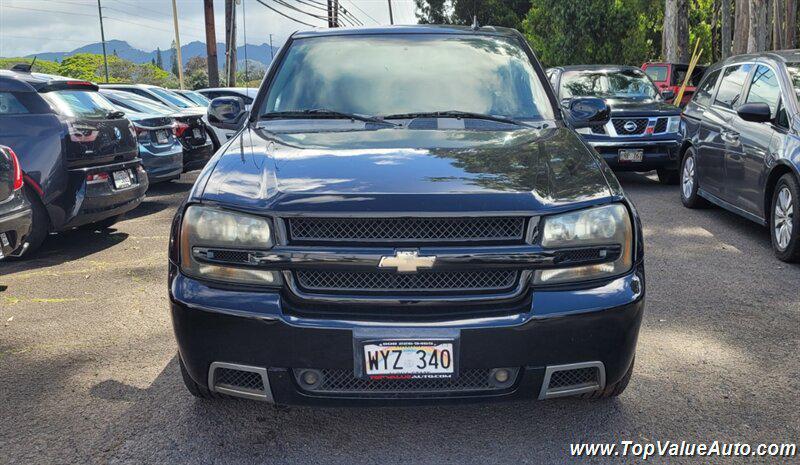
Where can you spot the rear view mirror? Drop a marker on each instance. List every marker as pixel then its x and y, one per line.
pixel 667 94
pixel 586 112
pixel 755 112
pixel 227 112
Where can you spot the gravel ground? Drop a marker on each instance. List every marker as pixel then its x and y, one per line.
pixel 88 370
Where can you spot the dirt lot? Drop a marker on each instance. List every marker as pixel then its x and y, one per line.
pixel 88 370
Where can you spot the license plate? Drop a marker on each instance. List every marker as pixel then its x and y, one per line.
pixel 408 359
pixel 197 133
pixel 122 179
pixel 632 155
pixel 162 136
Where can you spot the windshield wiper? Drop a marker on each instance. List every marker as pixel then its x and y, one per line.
pixel 456 114
pixel 323 113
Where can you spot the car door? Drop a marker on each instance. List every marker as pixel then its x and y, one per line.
pixel 745 167
pixel 720 137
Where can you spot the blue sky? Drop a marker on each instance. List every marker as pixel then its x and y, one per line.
pixel 33 26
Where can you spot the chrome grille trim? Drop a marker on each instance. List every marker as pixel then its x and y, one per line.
pixel 487 229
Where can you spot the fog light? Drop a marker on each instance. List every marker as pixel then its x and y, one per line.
pixel 311 378
pixel 502 375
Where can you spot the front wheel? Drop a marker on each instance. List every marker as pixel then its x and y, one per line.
pixel 688 181
pixel 784 227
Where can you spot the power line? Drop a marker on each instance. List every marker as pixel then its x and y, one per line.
pixel 365 13
pixel 48 11
pixel 281 2
pixel 285 15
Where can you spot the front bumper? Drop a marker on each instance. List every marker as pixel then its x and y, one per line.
pixel 15 222
pixel 559 327
pixel 662 153
pixel 98 201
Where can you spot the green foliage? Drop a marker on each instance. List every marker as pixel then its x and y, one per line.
pixel 505 13
pixel 432 11
pixel 701 26
pixel 596 31
pixel 41 66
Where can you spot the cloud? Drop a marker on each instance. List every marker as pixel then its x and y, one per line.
pixel 35 26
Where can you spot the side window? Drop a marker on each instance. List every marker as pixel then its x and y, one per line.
pixel 703 94
pixel 730 88
pixel 10 104
pixel 764 88
pixel 781 118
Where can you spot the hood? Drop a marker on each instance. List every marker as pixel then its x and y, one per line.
pixel 639 107
pixel 396 170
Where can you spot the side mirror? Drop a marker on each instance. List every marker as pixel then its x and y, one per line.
pixel 667 94
pixel 755 112
pixel 227 112
pixel 585 112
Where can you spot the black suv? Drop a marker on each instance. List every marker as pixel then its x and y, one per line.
pixel 405 217
pixel 644 131
pixel 742 137
pixel 79 154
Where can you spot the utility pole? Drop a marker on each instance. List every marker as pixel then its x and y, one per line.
pixel 271 50
pixel 391 16
pixel 177 43
pixel 244 39
pixel 333 13
pixel 211 44
pixel 103 38
pixel 230 42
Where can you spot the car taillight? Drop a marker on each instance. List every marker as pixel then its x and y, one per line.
pixel 179 128
pixel 97 177
pixel 141 133
pixel 82 133
pixel 17 169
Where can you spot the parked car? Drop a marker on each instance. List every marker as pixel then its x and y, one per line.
pixel 15 210
pixel 643 132
pixel 193 96
pixel 439 235
pixel 670 77
pixel 78 153
pixel 742 144
pixel 189 127
pixel 171 100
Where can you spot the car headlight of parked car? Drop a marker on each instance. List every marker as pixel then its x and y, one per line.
pixel 674 124
pixel 607 228
pixel 216 245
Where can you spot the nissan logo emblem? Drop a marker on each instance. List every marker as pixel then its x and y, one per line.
pixel 629 126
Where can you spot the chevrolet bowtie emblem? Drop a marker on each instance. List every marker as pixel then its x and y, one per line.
pixel 407 261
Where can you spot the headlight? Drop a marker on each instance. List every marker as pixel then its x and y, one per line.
pixel 608 225
pixel 674 124
pixel 208 228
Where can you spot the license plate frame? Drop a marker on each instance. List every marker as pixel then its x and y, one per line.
pixel 162 137
pixel 630 155
pixel 441 359
pixel 122 179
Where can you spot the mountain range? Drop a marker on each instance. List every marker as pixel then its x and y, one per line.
pixel 260 53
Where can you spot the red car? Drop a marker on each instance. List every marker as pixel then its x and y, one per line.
pixel 670 76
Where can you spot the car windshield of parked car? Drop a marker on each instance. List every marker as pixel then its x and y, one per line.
pixel 79 103
pixel 794 75
pixel 613 83
pixel 172 98
pixel 657 73
pixel 382 75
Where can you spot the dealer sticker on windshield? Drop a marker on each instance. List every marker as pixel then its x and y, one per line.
pixel 408 359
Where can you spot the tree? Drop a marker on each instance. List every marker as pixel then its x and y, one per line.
pixel 505 13
pixel 790 25
pixel 431 11
pixel 757 27
pixel 159 59
pixel 741 26
pixel 725 34
pixel 675 41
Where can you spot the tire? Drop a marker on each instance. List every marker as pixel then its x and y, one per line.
pixel 613 390
pixel 668 177
pixel 688 181
pixel 198 390
pixel 784 215
pixel 103 224
pixel 40 227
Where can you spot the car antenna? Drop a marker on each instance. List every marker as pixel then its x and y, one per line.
pixel 24 67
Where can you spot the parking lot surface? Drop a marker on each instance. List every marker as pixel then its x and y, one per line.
pixel 88 371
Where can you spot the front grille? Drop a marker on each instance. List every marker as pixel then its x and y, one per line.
pixel 238 379
pixel 598 130
pixel 345 382
pixel 619 126
pixel 407 230
pixel 577 377
pixel 661 125
pixel 440 281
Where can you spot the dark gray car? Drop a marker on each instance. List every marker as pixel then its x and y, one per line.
pixel 742 144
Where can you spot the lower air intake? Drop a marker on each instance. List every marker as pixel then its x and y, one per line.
pixel 240 381
pixel 572 379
